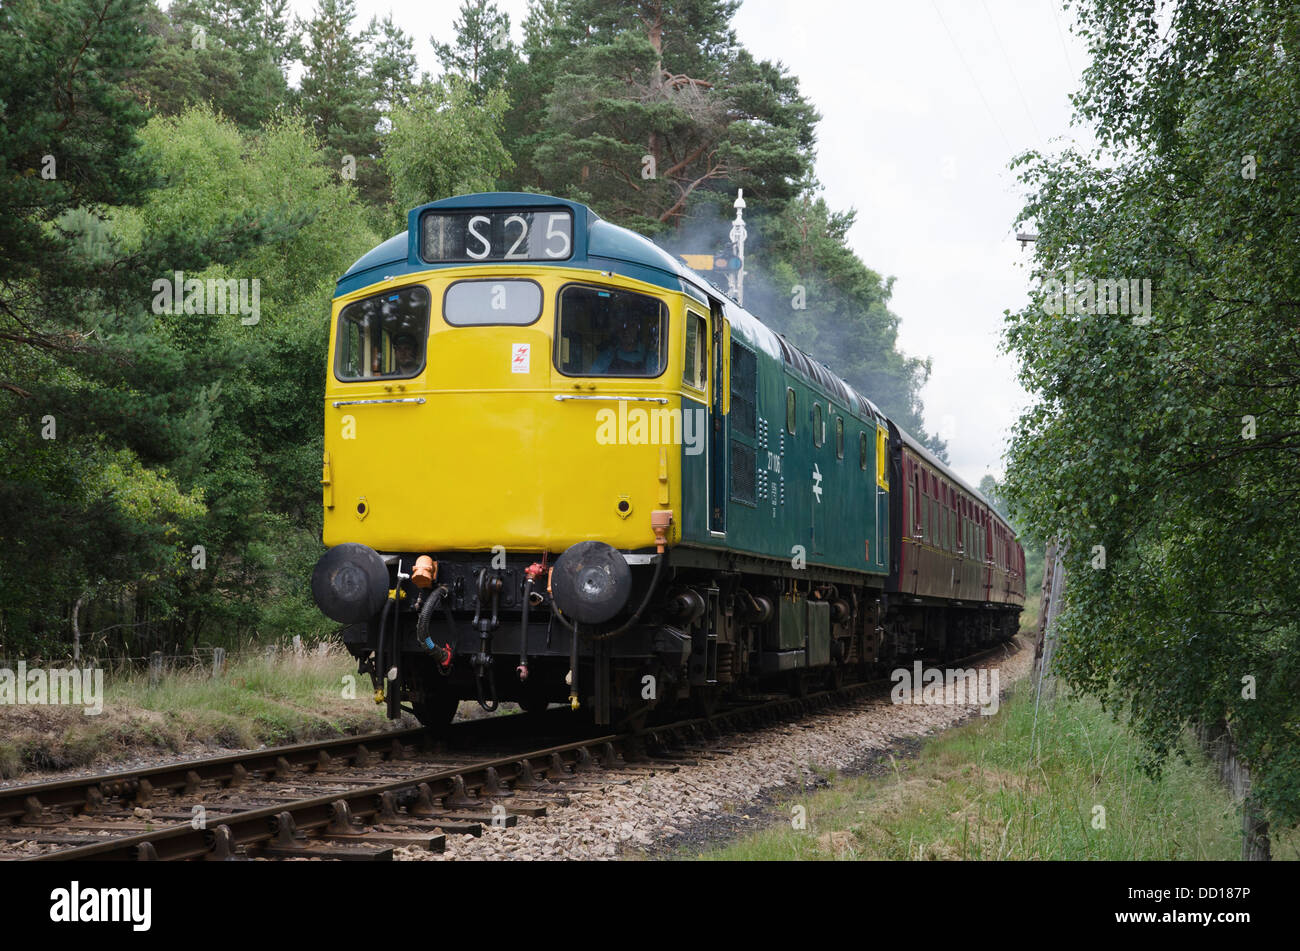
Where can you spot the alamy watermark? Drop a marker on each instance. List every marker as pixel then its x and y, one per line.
pixel 177 295
pixel 661 426
pixel 952 687
pixel 76 904
pixel 82 687
pixel 1084 295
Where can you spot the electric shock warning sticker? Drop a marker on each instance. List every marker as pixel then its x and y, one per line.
pixel 519 354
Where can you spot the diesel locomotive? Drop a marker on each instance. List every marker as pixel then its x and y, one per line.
pixel 562 467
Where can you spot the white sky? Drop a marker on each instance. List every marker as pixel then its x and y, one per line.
pixel 923 104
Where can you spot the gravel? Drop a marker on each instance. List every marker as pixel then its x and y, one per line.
pixel 721 795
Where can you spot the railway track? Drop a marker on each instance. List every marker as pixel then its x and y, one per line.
pixel 359 798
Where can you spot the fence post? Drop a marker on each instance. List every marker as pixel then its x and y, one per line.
pixel 1218 743
pixel 1049 606
pixel 218 661
pixel 155 668
pixel 297 645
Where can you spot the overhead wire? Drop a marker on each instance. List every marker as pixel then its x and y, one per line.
pixel 974 82
pixel 1011 69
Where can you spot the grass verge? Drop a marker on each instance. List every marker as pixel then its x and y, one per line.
pixel 978 792
pixel 259 700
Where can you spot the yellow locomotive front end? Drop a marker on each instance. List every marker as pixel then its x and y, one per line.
pixel 469 408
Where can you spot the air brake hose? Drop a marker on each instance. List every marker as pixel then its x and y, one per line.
pixel 426 618
pixel 645 602
pixel 451 632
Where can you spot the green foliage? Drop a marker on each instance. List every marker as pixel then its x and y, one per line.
pixel 444 143
pixel 652 104
pixel 176 430
pixel 392 61
pixel 339 96
pixel 68 149
pixel 1172 443
pixel 482 53
pixel 229 54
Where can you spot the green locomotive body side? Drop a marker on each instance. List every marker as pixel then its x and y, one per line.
pixel 786 495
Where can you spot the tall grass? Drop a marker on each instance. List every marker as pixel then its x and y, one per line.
pixel 259 699
pixel 981 792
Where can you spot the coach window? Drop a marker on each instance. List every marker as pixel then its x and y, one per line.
pixel 839 437
pixel 862 451
pixel 383 336
pixel 952 521
pixel 695 368
pixel 608 332
pixel 945 521
pixel 791 405
pixel 923 501
pixel 819 425
pixel 932 514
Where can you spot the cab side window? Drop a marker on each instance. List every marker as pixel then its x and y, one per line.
pixel 695 368
pixel 383 336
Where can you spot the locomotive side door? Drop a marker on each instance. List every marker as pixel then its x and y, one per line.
pixel 718 406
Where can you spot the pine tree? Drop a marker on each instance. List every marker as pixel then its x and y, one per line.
pixel 93 395
pixel 339 95
pixel 391 53
pixel 230 53
pixel 336 93
pixel 483 52
pixel 655 108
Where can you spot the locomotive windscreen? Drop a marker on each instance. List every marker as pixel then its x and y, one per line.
pixel 607 332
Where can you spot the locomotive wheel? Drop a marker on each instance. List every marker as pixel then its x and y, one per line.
pixel 632 722
pixel 705 700
pixel 435 714
pixel 835 677
pixel 533 705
